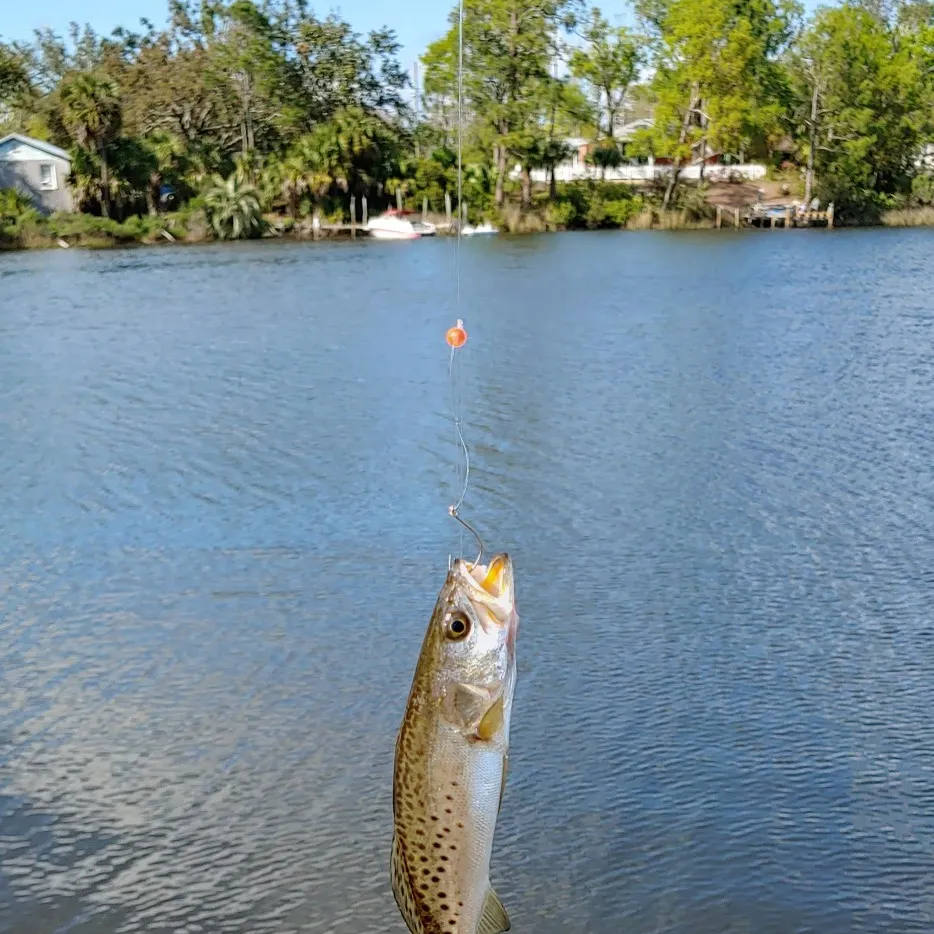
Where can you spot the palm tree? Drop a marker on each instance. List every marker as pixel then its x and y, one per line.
pixel 354 143
pixel 233 209
pixel 91 112
pixel 606 155
pixel 306 168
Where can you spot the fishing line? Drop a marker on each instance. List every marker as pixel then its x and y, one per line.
pixel 457 336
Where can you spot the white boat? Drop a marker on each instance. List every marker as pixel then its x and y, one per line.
pixel 424 228
pixel 485 228
pixel 390 226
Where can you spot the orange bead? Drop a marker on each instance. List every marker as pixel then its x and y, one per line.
pixel 457 336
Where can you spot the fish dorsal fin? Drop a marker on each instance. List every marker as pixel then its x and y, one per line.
pixel 402 889
pixel 493 918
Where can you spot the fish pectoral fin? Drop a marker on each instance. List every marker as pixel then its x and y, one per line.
pixel 492 721
pixel 467 705
pixel 493 918
pixel 402 888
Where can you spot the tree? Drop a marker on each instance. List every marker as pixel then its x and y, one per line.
pixel 716 77
pixel 14 77
pixel 606 155
pixel 233 209
pixel 608 66
pixel 860 108
pixel 508 48
pixel 91 111
pixel 306 168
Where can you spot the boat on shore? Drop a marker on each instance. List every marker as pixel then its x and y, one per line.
pixel 391 226
pixel 480 229
pixel 395 225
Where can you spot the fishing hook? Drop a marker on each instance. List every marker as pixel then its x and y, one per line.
pixel 452 512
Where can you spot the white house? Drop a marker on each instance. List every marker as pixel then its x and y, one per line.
pixel 38 169
pixel 577 168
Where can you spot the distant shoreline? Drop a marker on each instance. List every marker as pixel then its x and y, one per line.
pixel 915 218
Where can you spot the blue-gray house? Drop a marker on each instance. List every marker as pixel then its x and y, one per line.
pixel 38 169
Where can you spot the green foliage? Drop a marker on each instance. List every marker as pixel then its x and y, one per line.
pixel 242 106
pixel 560 215
pixel 17 217
pixel 861 107
pixel 607 66
pixel 508 47
pixel 922 191
pixel 717 78
pixel 592 205
pixel 233 209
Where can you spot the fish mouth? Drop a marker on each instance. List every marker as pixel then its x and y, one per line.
pixel 490 587
pixel 494 578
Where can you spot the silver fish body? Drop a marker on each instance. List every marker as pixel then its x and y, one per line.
pixel 452 754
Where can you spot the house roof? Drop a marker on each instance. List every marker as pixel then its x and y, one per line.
pixel 39 144
pixel 627 129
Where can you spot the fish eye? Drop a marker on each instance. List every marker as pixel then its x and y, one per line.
pixel 456 626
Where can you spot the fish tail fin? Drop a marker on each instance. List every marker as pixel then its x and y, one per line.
pixel 493 918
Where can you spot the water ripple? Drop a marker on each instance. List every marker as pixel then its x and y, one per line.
pixel 224 475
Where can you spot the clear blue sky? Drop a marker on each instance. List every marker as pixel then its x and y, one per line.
pixel 417 22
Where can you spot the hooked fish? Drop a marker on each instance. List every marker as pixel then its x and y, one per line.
pixel 452 754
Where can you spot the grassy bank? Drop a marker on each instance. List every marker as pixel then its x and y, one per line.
pixel 909 217
pixel 576 206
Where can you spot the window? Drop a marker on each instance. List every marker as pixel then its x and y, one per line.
pixel 47 176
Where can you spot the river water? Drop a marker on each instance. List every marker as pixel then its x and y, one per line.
pixel 224 476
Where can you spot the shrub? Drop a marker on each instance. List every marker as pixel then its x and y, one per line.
pixel 560 215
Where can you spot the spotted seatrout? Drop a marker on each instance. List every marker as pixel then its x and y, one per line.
pixel 451 756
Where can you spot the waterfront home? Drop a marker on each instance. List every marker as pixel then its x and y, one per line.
pixel 716 166
pixel 38 169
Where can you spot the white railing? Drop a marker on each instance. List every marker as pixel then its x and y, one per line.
pixel 644 173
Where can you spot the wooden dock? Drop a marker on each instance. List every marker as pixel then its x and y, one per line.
pixel 787 217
